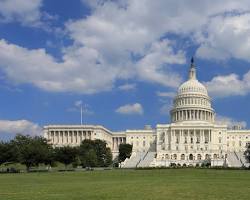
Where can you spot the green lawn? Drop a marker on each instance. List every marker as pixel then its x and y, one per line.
pixel 128 184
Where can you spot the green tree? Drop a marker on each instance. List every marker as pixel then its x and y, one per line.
pixel 125 151
pixel 6 155
pixel 89 158
pixel 103 153
pixel 95 153
pixel 30 151
pixel 66 155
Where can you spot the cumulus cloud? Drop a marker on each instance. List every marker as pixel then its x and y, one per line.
pixel 226 36
pixel 24 11
pixel 130 109
pixel 229 85
pixel 116 42
pixel 82 70
pixel 24 127
pixel 230 122
pixel 78 72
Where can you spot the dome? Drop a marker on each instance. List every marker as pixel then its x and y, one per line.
pixel 192 86
pixel 192 102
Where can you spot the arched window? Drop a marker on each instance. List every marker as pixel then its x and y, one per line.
pixel 182 156
pixel 199 157
pixel 174 156
pixel 167 156
pixel 191 157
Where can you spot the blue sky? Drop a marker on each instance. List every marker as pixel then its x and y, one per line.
pixel 123 60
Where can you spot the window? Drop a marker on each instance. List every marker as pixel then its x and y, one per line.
pixel 220 139
pixel 144 143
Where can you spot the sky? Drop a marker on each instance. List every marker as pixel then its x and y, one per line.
pixel 122 60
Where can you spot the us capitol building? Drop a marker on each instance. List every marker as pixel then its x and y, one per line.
pixel 193 137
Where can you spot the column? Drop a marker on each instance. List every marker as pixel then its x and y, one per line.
pixel 57 137
pixel 116 143
pixel 49 135
pixel 61 137
pixel 202 136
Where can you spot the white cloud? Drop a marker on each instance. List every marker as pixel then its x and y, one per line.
pixel 116 42
pixel 230 122
pixel 226 36
pixel 127 86
pixel 24 11
pixel 24 127
pixel 154 66
pixel 130 109
pixel 229 85
pixel 36 67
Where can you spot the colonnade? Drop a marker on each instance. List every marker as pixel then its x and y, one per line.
pixel 68 137
pixel 183 115
pixel 187 139
pixel 191 136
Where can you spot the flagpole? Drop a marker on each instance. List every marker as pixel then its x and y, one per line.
pixel 81 115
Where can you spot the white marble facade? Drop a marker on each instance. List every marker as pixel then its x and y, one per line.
pixel 192 136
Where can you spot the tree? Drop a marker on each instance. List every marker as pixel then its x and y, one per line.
pixel 89 158
pixel 95 153
pixel 125 151
pixel 87 154
pixel 6 155
pixel 103 153
pixel 66 155
pixel 247 152
pixel 30 151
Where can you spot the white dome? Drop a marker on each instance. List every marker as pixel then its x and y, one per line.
pixel 192 86
pixel 192 102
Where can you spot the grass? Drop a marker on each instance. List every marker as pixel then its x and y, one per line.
pixel 159 184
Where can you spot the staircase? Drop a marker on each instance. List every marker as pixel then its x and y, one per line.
pixel 233 160
pixel 134 160
pixel 242 158
pixel 147 159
